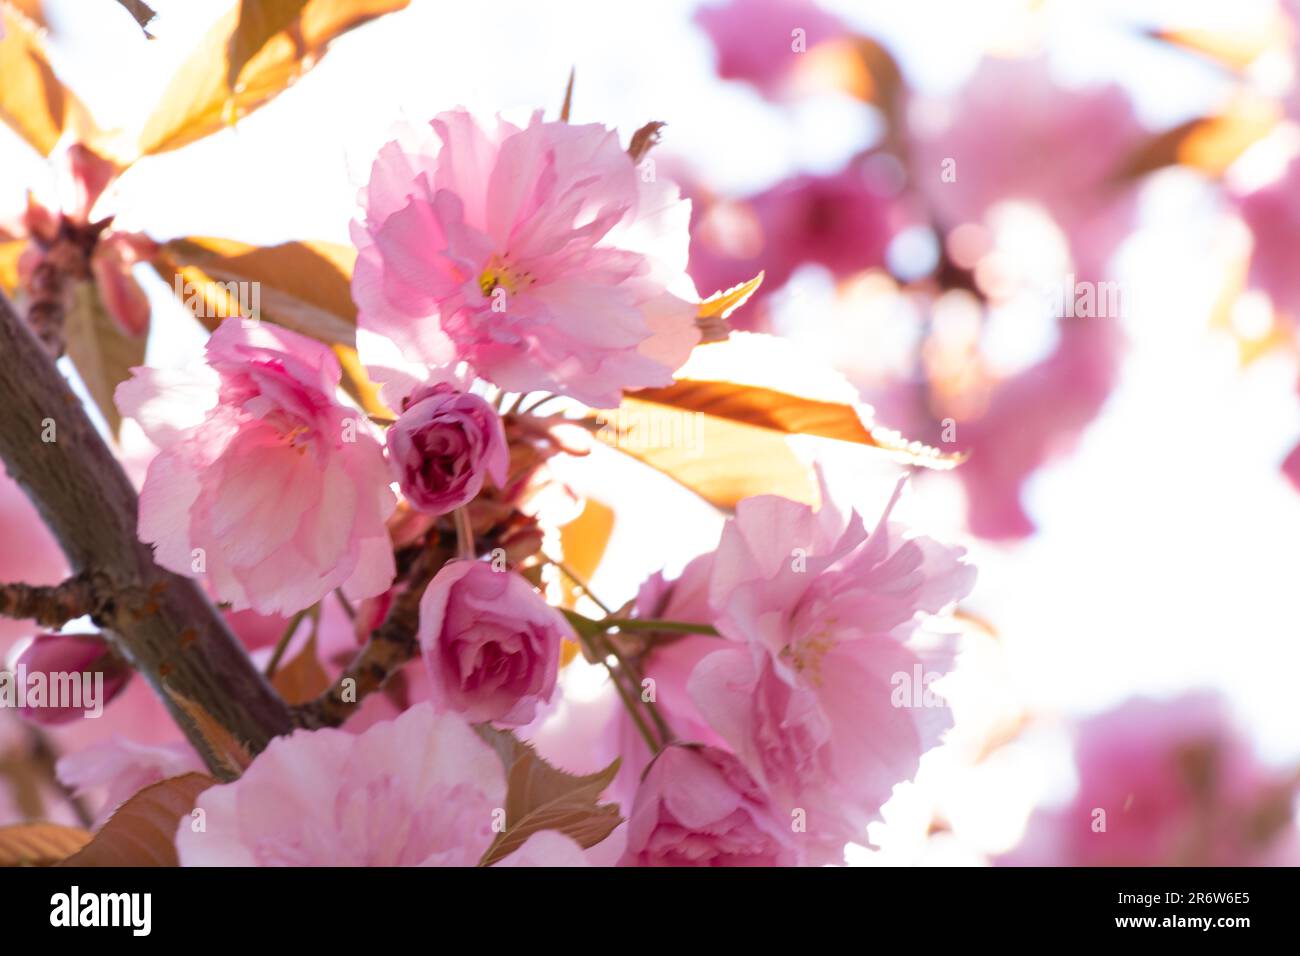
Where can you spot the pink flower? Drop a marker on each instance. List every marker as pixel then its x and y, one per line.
pixel 62 660
pixel 1272 213
pixel 491 644
pixel 540 256
pixel 421 790
pixel 756 39
pixel 825 625
pixel 442 447
pixel 843 221
pixel 697 806
pixel 266 486
pixel 994 153
pixel 119 768
pixel 28 553
pixel 1167 783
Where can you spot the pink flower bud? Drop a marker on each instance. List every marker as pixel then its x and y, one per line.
pixel 62 677
pixel 443 445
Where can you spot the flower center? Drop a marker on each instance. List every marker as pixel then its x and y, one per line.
pixel 805 654
pixel 501 273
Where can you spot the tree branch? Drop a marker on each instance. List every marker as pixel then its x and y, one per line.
pixel 161 622
pixel 54 605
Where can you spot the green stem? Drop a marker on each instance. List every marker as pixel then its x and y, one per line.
pixel 657 624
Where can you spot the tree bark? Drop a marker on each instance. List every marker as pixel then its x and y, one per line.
pixel 162 622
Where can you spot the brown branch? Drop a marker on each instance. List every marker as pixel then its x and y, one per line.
pixel 161 622
pixel 54 605
pixel 388 648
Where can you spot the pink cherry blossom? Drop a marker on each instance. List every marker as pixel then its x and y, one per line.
pixel 267 487
pixel 539 255
pixel 843 221
pixel 421 790
pixel 824 621
pixel 1167 783
pixel 1272 213
pixel 443 446
pixel 697 806
pixel 28 553
pixel 491 644
pixel 997 154
pixel 117 768
pixel 756 40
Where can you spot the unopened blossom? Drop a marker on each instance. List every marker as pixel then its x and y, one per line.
pixel 540 255
pixel 266 486
pixel 63 659
pixel 66 245
pixel 699 806
pixel 420 790
pixel 823 618
pixel 490 642
pixel 443 446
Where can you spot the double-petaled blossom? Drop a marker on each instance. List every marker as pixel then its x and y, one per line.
pixel 421 790
pixel 540 255
pixel 825 627
pixel 442 447
pixel 491 644
pixel 267 486
pixel 698 806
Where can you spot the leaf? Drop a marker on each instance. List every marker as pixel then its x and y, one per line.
pixel 229 753
pixel 302 678
pixel 713 312
pixel 259 20
pixel 1235 49
pixel 142 831
pixel 542 797
pixel 141 13
pixel 9 253
pixel 644 139
pixel 1210 143
pixel 32 100
pixel 198 100
pixel 722 429
pixel 583 541
pixel 303 286
pixel 102 353
pixel 39 844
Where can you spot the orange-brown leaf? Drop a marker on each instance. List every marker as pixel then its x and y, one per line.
pixel 102 353
pixel 1210 144
pixel 302 678
pixel 259 20
pixel 542 797
pixel 142 831
pixel 39 844
pixel 583 541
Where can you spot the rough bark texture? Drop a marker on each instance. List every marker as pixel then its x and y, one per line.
pixel 163 623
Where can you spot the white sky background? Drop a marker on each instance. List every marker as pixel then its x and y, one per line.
pixel 1167 553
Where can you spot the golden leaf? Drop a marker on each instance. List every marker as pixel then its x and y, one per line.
pixel 583 541
pixel 198 101
pixel 302 678
pixel 39 844
pixel 1210 143
pixel 102 353
pixel 32 100
pixel 259 20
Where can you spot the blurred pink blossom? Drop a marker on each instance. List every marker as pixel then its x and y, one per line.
pixel 1166 783
pixel 758 41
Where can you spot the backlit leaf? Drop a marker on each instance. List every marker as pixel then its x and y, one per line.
pixel 32 100
pixel 39 844
pixel 142 831
pixel 102 353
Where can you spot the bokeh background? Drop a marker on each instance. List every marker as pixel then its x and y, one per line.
pixel 915 182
